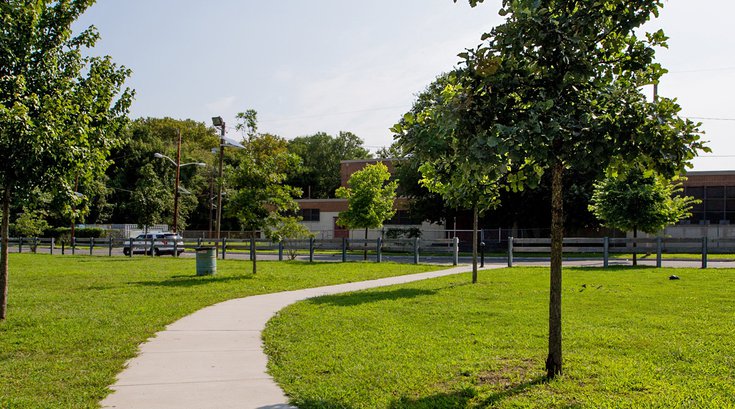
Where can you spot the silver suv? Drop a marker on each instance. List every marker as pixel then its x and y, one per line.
pixel 159 243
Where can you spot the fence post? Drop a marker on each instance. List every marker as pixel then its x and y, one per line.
pixel 379 245
pixel 109 246
pixel 153 245
pixel 20 244
pixel 455 250
pixel 91 245
pixel 252 248
pixel 176 247
pixel 52 245
pixel 344 249
pixel 199 242
pixel 311 250
pixel 34 245
pixel 130 253
pixel 73 246
pixel 62 247
pixel 415 250
pixel 606 252
pixel 704 252
pixel 482 254
pixel 659 250
pixel 224 247
pixel 280 250
pixel 510 251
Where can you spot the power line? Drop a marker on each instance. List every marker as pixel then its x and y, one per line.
pixel 699 118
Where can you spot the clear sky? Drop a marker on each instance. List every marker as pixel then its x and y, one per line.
pixel 345 65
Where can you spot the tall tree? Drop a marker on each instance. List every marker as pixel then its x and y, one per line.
pixel 636 201
pixel 132 161
pixel 441 134
pixel 321 154
pixel 259 197
pixel 60 111
pixel 576 70
pixel 370 198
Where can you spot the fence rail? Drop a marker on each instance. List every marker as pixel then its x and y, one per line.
pixel 415 248
pixel 251 247
pixel 605 246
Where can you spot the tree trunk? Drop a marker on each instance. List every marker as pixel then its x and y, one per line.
pixel 635 244
pixel 474 244
pixel 4 232
pixel 554 360
pixel 364 252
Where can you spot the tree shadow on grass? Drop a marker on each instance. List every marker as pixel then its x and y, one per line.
pixel 192 281
pixel 318 404
pixel 465 398
pixel 345 300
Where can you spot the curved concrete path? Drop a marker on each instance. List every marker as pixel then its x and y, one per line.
pixel 213 359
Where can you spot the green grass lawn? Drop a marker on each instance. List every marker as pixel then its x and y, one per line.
pixel 632 339
pixel 74 321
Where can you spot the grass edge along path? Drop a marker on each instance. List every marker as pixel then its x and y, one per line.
pixel 74 321
pixel 633 338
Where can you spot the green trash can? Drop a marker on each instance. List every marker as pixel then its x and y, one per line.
pixel 206 261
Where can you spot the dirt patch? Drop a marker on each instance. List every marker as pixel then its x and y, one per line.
pixel 511 373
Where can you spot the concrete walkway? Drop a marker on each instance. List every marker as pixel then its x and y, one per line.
pixel 213 359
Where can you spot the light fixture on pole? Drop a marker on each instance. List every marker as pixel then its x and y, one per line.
pixel 177 163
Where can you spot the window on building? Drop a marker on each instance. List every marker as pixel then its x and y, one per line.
pixel 402 217
pixel 310 215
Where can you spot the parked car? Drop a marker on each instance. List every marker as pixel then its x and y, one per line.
pixel 160 243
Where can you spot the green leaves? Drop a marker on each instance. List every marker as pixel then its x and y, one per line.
pixel 640 200
pixel 369 197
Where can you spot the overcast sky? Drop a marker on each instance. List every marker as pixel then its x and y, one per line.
pixel 343 65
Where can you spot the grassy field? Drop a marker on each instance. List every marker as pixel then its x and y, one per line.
pixel 632 339
pixel 74 321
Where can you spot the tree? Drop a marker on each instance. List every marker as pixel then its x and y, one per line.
pixel 370 199
pixel 60 111
pixel 636 201
pixel 135 161
pixel 150 199
pixel 440 133
pixel 259 197
pixel 576 70
pixel 286 229
pixel 259 194
pixel 321 154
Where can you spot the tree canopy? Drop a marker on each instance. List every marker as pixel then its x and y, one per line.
pixel 321 153
pixel 259 197
pixel 636 202
pixel 568 76
pixel 370 198
pixel 60 111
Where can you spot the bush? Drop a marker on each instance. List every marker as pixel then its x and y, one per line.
pixel 64 233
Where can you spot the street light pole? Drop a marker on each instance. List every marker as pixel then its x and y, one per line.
pixel 176 185
pixel 219 122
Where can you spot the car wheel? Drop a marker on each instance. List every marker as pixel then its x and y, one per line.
pixel 126 252
pixel 156 252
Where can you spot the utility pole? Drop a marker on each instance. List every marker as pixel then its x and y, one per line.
pixel 220 181
pixel 176 185
pixel 211 201
pixel 74 208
